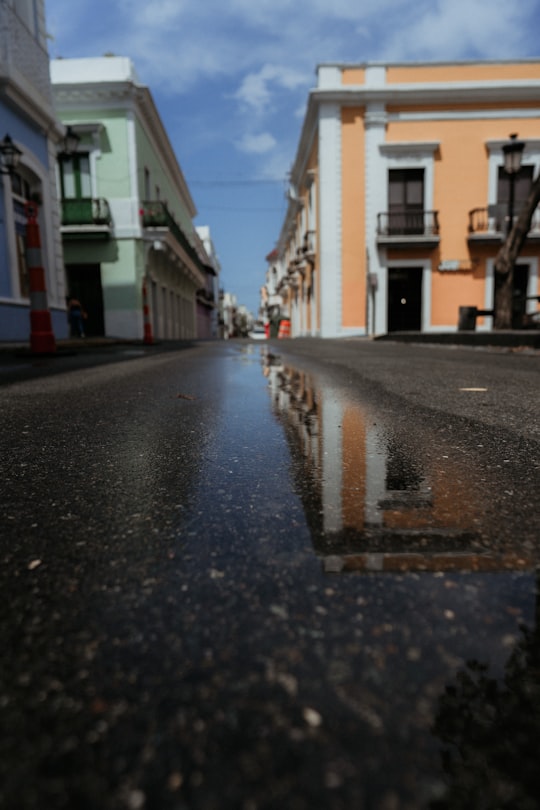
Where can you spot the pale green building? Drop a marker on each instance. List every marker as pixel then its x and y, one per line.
pixel 131 251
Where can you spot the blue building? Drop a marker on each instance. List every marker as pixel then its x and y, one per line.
pixel 27 115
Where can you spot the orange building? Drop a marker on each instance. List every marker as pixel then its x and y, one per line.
pixel 399 201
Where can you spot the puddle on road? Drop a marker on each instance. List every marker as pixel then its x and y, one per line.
pixel 375 500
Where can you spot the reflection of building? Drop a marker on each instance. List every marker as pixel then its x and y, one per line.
pixel 27 115
pixel 398 197
pixel 275 296
pixel 227 309
pixel 371 502
pixel 127 213
pixel 208 296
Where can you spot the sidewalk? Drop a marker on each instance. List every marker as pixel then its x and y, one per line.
pixel 18 348
pixel 523 338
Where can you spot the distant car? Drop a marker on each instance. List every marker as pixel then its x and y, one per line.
pixel 258 332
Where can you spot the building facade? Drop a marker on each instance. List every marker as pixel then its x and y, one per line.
pixel 131 250
pixel 28 117
pixel 398 201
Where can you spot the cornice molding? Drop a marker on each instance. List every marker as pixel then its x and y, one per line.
pixel 92 93
pixel 432 93
pixel 409 147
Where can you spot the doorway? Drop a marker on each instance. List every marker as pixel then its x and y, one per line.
pixel 405 299
pixel 520 284
pixel 519 295
pixel 84 283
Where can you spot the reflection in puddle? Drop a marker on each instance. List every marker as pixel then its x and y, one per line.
pixel 412 517
pixel 373 500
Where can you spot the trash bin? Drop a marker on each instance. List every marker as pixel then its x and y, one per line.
pixel 467 319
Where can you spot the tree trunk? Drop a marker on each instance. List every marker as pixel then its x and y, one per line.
pixel 506 259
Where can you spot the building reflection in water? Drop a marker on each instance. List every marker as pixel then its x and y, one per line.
pixel 390 506
pixel 371 501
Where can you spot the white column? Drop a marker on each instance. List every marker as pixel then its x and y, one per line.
pixel 376 202
pixel 330 218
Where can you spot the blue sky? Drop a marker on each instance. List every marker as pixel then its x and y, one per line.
pixel 231 79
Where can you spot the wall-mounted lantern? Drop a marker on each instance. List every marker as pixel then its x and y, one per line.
pixel 10 156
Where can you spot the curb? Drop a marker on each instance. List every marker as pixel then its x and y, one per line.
pixel 521 338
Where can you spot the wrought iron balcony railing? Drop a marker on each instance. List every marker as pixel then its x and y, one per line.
pixel 493 220
pixel 206 297
pixel 155 214
pixel 85 212
pixel 422 224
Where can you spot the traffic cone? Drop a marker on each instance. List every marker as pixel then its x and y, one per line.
pixel 284 328
pixel 148 336
pixel 42 340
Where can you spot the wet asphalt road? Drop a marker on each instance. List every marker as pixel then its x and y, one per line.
pixel 244 576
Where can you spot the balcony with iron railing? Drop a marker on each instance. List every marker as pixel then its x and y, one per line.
pixel 408 228
pixel 86 217
pixel 156 215
pixel 490 223
pixel 304 255
pixel 206 298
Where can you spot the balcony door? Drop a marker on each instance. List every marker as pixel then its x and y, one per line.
pixel 406 201
pixel 520 286
pixel 75 177
pixel 76 188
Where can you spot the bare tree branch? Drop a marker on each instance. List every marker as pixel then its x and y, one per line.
pixel 506 258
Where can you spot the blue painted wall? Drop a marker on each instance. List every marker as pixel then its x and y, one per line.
pixel 14 317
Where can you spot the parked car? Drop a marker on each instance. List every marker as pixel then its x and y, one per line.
pixel 258 332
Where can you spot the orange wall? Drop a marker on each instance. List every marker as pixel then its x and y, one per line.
pixel 353 221
pixel 462 73
pixel 353 76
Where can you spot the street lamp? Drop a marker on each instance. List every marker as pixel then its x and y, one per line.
pixel 10 156
pixel 71 140
pixel 513 152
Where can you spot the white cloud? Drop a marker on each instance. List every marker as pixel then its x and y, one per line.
pixel 461 29
pixel 157 16
pixel 256 89
pixel 257 144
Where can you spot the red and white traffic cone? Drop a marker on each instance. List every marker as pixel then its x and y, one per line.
pixel 42 340
pixel 148 335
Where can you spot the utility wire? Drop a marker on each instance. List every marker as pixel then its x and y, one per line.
pixel 215 182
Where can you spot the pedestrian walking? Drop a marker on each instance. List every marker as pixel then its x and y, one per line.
pixel 77 316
